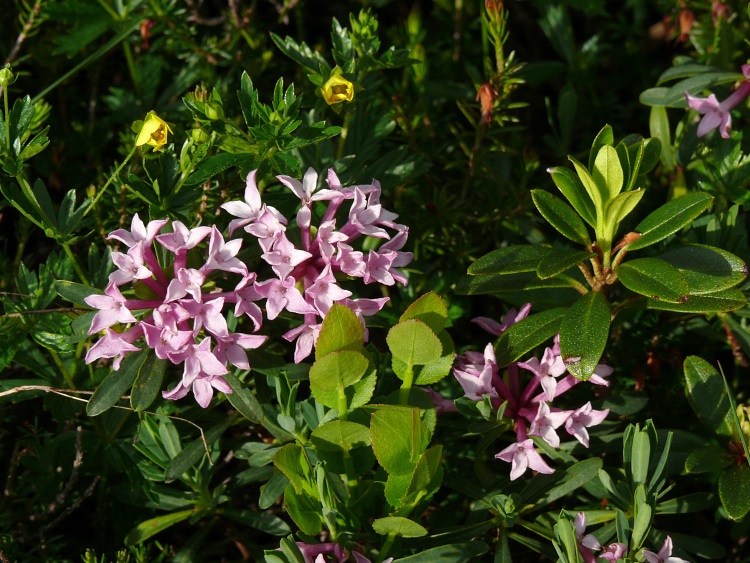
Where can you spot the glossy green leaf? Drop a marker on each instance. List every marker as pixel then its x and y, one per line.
pixel 148 382
pixel 75 292
pixel 194 451
pixel 607 172
pixel 707 269
pixel 426 478
pixel 670 218
pixel 574 477
pixel 341 330
pixel 116 383
pixel 336 440
pixel 572 188
pixel 598 194
pixel 655 279
pixel 561 261
pixel 706 394
pixel 674 96
pixel 583 334
pixel 213 165
pixel 145 530
pixel 481 285
pixel 304 509
pixel 453 553
pixel 658 122
pixel 413 342
pixel 243 399
pixel 430 309
pixel 734 491
pixel 527 334
pixel 726 300
pixel 707 459
pixel 621 206
pixel 293 462
pixel 561 216
pixel 652 149
pixel 604 137
pixel 509 260
pixel 398 526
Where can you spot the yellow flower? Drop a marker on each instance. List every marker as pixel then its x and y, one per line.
pixel 338 89
pixel 153 132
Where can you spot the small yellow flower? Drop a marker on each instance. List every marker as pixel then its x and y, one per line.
pixel 338 89
pixel 154 132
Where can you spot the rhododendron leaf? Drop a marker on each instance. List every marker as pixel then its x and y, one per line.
pixel 116 383
pixel 430 309
pixel 670 218
pixel 604 137
pixel 572 188
pixel 527 334
pixel 654 278
pixel 706 394
pixel 598 194
pixel 509 260
pixel 524 281
pixel 561 261
pixel 413 342
pixel 399 437
pixel 561 216
pixel 398 526
pixel 620 206
pixel 734 491
pixel 243 399
pixel 194 451
pixel 607 173
pixel 706 459
pixel 148 383
pixel 305 510
pixel 583 334
pixel 151 527
pixel 341 330
pixel 726 300
pixel 338 439
pixel 707 269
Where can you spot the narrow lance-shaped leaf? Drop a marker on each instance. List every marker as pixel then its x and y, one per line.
pixel 706 394
pixel 116 383
pixel 721 301
pixel 670 218
pixel 561 216
pixel 572 188
pixel 598 195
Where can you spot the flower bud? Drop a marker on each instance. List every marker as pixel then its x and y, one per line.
pixel 337 89
pixel 154 132
pixel 6 76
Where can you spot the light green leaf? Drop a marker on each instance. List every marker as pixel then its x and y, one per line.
pixel 151 527
pixel 430 309
pixel 399 437
pixel 607 173
pixel 413 342
pixel 598 194
pixel 399 526
pixel 572 188
pixel 336 440
pixel 621 206
pixel 604 137
pixel 341 330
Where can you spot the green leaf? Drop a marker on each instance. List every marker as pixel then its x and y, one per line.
pixel 427 477
pixel 652 149
pixel 670 218
pixel 640 456
pixel 527 334
pixel 293 462
pixel 726 300
pixel 243 399
pixel 341 330
pixel 641 524
pixel 339 439
pixel 148 383
pixel 430 309
pixel 305 510
pixel 654 278
pixel 479 285
pixel 693 502
pixel 413 342
pixel 434 372
pixel 452 553
pixel 214 165
pixel 604 137
pixel 583 334
pixel 574 477
pixel 659 126
pixel 398 526
pixel 194 452
pixel 621 206
pixel 598 194
pixel 607 172
pixel 706 394
pixel 734 491
pixel 674 96
pixel 707 269
pixel 509 260
pixel 399 437
pixel 116 383
pixel 561 216
pixel 263 521
pixel 572 188
pixel 561 261
pixel 336 371
pixel 151 527
pixel 707 459
pixel 75 292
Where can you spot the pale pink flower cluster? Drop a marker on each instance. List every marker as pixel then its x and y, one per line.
pixel 528 406
pixel 182 316
pixel 307 276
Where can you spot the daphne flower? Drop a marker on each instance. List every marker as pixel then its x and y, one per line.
pixel 112 309
pixel 583 418
pixel 475 372
pixel 546 422
pixel 523 455
pixel 614 551
pixel 664 555
pixel 717 114
pixel 587 543
pixel 547 370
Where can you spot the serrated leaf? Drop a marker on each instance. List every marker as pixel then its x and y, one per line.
pixel 527 334
pixel 510 260
pixel 561 216
pixel 670 218
pixel 430 309
pixel 655 279
pixel 583 334
pixel 705 392
pixel 561 261
pixel 337 370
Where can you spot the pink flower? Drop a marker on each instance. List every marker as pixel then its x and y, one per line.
pixel 282 295
pixel 523 456
pixel 111 345
pixel 182 239
pixel 547 370
pixel 546 422
pixel 130 266
pixel 587 543
pixel 475 372
pixel 717 114
pixel 583 418
pixel 138 232
pixel 614 551
pixel 249 210
pixel 112 309
pixel 510 318
pixel 222 256
pixel 664 555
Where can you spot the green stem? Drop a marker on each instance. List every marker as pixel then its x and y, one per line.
pixel 107 8
pixel 76 265
pixel 387 544
pixel 342 139
pixel 131 68
pixel 403 395
pixel 342 404
pixel 351 473
pixel 7 120
pixel 112 177
pixel 63 371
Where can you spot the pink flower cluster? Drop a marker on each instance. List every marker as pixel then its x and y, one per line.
pixel 716 114
pixel 179 311
pixel 527 406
